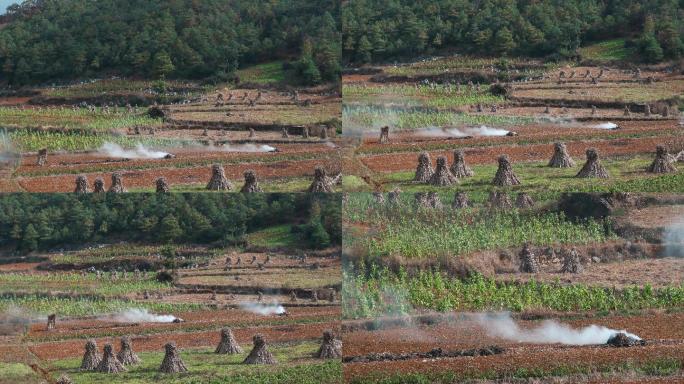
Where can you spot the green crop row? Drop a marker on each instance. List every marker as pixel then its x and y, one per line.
pixel 379 291
pixel 421 233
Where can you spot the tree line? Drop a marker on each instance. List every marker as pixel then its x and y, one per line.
pixel 45 40
pixel 31 222
pixel 382 30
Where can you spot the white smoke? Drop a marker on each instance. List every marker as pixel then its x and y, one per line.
pixel 605 126
pixel 674 238
pixel 141 315
pixel 246 148
pixel 263 309
pixel 549 332
pixel 482 130
pixel 140 152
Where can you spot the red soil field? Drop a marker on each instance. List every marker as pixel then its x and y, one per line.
pixel 200 175
pixel 664 334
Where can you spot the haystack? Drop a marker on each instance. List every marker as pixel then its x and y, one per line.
pixel 461 201
pixel 64 379
pixel 504 175
pixel 172 362
pixel 162 185
pixel 442 177
pixel 523 201
pixel 561 158
pixel 528 263
pixel 228 344
pixel 393 196
pixel 90 359
pixel 126 355
pixel 98 185
pixel 384 135
pixel 499 200
pixel 424 170
pixel 321 182
pixel 81 184
pixel 109 363
pixel 260 353
pixel 572 262
pixel 459 168
pixel 593 166
pixel 218 181
pixel 42 157
pixel 251 183
pixel 331 348
pixel 51 321
pixel 434 201
pixel 117 184
pixel 663 162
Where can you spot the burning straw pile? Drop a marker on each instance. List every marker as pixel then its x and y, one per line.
pixel 228 344
pixel 260 353
pixel 593 167
pixel 331 348
pixel 218 181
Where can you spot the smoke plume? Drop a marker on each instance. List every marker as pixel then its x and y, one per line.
pixel 140 152
pixel 605 126
pixel 263 309
pixel 548 332
pixel 674 238
pixel 141 315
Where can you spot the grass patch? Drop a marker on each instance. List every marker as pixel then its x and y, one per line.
pixel 204 366
pixel 280 236
pixel 77 284
pixel 370 117
pixel 436 96
pixel 606 51
pixel 17 373
pixel 413 232
pixel 268 73
pixel 99 120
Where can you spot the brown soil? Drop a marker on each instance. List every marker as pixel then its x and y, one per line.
pixel 667 341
